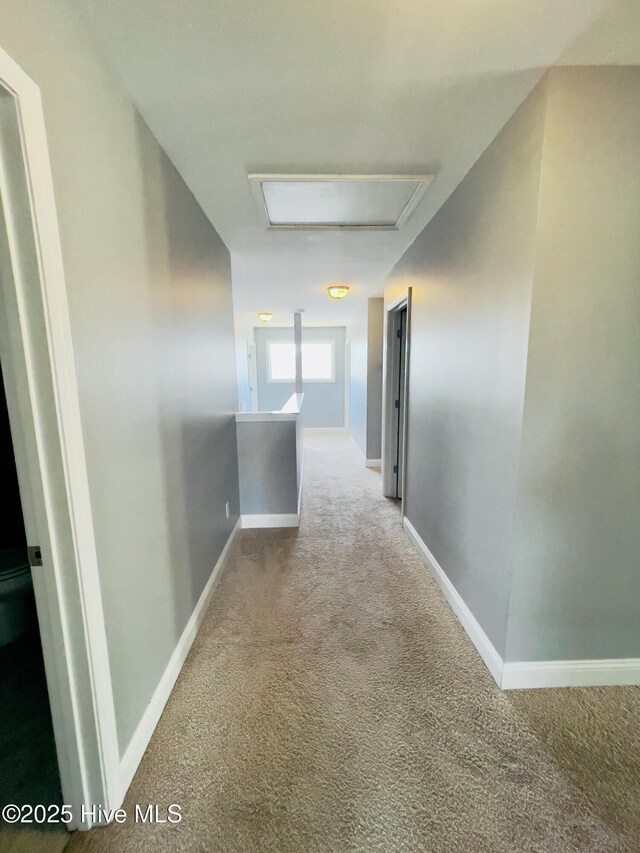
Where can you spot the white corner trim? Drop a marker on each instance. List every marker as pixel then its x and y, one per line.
pixel 142 735
pixel 300 491
pixel 369 463
pixel 519 675
pixel 570 673
pixel 357 447
pixel 272 519
pixel 469 622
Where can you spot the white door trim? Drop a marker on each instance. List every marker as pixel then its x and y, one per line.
pixel 390 357
pixel 52 465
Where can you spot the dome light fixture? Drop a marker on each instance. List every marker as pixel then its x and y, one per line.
pixel 265 316
pixel 338 291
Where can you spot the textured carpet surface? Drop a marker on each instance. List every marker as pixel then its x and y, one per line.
pixel 332 702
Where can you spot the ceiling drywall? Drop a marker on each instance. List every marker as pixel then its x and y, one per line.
pixel 231 87
pixel 613 39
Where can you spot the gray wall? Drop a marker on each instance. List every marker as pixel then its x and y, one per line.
pixel 324 402
pixel 150 301
pixel 524 403
pixel 365 378
pixel 472 274
pixel 268 464
pixel 576 584
pixel 358 380
pixel 375 322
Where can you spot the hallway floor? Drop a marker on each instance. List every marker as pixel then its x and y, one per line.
pixel 332 702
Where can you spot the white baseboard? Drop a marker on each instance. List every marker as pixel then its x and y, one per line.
pixel 570 673
pixel 324 430
pixel 469 622
pixel 272 520
pixel 373 463
pixel 142 735
pixel 518 675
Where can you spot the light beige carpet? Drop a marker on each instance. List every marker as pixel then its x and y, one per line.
pixel 332 702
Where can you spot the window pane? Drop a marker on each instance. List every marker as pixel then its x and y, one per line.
pixel 282 362
pixel 317 361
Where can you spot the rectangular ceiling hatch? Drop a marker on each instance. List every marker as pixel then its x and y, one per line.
pixel 338 201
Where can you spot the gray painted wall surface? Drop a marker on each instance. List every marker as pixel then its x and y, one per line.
pixel 576 585
pixel 472 270
pixel 375 322
pixel 358 381
pixel 365 379
pixel 268 465
pixel 150 301
pixel 524 461
pixel 323 401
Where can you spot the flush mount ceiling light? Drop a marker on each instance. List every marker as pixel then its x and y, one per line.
pixel 338 291
pixel 337 202
pixel 265 316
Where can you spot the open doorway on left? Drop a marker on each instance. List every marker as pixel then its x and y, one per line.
pixel 40 387
pixel 29 774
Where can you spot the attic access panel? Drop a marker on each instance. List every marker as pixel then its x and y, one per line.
pixel 368 202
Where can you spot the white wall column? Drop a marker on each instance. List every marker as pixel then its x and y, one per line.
pixel 297 338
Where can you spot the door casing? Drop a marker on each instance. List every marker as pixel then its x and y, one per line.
pixel 391 366
pixel 44 411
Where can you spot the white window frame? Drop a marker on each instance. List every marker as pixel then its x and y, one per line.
pixel 291 381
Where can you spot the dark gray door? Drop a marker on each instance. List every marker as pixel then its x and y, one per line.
pixel 401 335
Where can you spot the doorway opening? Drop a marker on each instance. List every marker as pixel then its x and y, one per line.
pixel 395 397
pixel 29 773
pixel 399 402
pixel 47 453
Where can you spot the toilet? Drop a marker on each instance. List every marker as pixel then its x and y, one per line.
pixel 16 594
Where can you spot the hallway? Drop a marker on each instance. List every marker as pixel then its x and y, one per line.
pixel 332 702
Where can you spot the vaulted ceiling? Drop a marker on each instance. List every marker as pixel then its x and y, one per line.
pixel 231 87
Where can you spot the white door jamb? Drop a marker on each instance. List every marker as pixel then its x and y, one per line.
pixel 391 364
pixel 43 402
